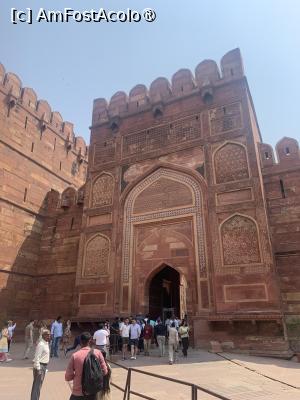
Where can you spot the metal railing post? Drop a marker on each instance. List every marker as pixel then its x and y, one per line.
pixel 126 385
pixel 129 384
pixel 194 392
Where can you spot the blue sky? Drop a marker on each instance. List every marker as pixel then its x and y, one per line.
pixel 71 64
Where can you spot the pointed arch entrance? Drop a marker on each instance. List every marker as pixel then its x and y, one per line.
pixel 164 223
pixel 164 293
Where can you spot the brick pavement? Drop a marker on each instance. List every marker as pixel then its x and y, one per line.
pixel 203 368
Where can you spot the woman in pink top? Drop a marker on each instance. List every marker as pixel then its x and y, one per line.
pixel 75 367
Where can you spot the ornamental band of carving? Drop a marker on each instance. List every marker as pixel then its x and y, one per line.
pixel 158 137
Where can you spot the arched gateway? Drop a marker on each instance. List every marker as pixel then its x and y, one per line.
pixel 166 289
pixel 163 252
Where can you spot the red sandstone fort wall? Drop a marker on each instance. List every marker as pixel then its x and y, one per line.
pixel 177 176
pixel 38 152
pixel 282 188
pixel 200 133
pixel 59 244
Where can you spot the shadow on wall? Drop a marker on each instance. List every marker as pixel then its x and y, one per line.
pixel 40 282
pixel 22 248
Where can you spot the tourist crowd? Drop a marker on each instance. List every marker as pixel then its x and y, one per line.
pixel 132 336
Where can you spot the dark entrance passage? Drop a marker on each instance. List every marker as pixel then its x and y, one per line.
pixel 164 292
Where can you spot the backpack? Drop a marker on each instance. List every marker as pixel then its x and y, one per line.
pixel 92 375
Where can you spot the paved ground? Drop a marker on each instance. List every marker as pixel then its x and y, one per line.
pixel 242 378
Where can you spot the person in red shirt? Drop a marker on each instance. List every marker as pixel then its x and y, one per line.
pixel 148 334
pixel 75 367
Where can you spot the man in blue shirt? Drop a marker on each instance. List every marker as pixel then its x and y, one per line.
pixel 135 332
pixel 56 335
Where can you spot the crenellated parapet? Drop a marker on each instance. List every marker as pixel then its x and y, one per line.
pixel 183 83
pixel 287 154
pixel 26 98
pixel 69 198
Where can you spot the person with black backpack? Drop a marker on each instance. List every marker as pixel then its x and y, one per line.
pixel 86 369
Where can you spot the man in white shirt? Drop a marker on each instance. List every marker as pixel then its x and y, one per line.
pixel 101 338
pixel 172 342
pixel 56 335
pixel 40 362
pixel 124 332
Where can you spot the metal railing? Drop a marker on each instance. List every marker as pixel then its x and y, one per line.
pixel 128 385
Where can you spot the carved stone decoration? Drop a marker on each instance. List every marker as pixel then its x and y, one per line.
pixel 96 258
pixel 178 132
pixel 195 209
pixel 163 194
pixel 231 163
pixel 240 241
pixel 102 191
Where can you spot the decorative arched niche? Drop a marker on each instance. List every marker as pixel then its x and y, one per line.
pixel 160 210
pixel 96 256
pixel 155 208
pixel 240 241
pixel 102 190
pixel 231 163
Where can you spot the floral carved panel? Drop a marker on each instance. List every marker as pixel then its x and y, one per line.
pixel 102 191
pixel 230 163
pixel 96 259
pixel 240 241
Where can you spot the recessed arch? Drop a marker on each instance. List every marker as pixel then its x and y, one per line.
pixel 193 211
pixel 163 292
pixel 157 268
